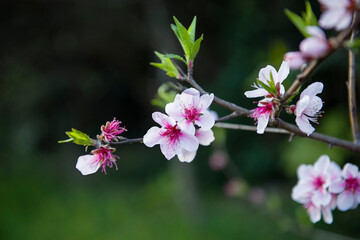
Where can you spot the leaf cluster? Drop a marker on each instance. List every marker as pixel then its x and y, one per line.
pixel 77 137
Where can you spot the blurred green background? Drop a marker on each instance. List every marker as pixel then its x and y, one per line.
pixel 77 64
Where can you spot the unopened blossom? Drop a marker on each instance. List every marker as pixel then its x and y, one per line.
pixel 111 130
pixel 312 47
pixel 262 114
pixel 338 14
pixel 348 188
pixel 205 137
pixel 101 157
pixel 267 75
pixel 218 160
pixel 308 107
pixel 189 109
pixel 172 136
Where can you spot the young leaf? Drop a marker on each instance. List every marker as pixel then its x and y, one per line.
pixel 175 30
pixel 310 16
pixel 175 56
pixel 164 96
pixel 166 65
pixel 195 48
pixel 78 137
pixel 184 37
pixel 266 87
pixel 297 21
pixel 191 30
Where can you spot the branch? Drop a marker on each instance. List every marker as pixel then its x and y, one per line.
pixel 135 140
pixel 227 117
pixel 352 94
pixel 250 128
pixel 307 72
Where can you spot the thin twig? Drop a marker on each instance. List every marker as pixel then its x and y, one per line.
pixel 352 93
pixel 135 140
pixel 227 117
pixel 250 128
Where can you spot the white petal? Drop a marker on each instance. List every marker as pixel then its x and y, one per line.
pixel 170 149
pixel 260 92
pixel 314 213
pixel 337 186
pixel 334 171
pixel 334 3
pixel 344 22
pixel 174 110
pixel 295 59
pixel 189 98
pixel 321 198
pixel 345 201
pixel 187 126
pixel 304 125
pixel 312 90
pixel 305 172
pixel 301 105
pixel 283 71
pixel 262 123
pixel 205 137
pixel 314 106
pixel 186 156
pixel 316 32
pixel 86 165
pixel 314 47
pixel 205 121
pixel 331 17
pixel 152 137
pixel 205 102
pixel 163 119
pixel 327 215
pixel 188 141
pixel 322 164
pixel 302 190
pixel 264 74
pixel 350 171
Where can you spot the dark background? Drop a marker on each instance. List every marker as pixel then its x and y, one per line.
pixel 77 64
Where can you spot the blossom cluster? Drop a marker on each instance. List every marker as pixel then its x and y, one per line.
pixel 324 186
pixel 187 124
pixel 337 14
pixel 103 155
pixel 270 87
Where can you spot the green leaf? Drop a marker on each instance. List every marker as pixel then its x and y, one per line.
pixel 175 30
pixel 166 65
pixel 310 16
pixel 184 37
pixel 175 56
pixel 298 21
pixel 78 137
pixel 164 95
pixel 293 95
pixel 191 30
pixel 266 87
pixel 195 48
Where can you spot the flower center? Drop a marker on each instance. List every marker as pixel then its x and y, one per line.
pixel 266 109
pixel 318 182
pixel 351 184
pixel 191 114
pixel 172 133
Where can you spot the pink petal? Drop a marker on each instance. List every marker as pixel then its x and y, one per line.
pixel 152 137
pixel 312 90
pixel 314 47
pixel 205 102
pixel 187 126
pixel 304 125
pixel 334 171
pixel 174 110
pixel 327 215
pixel 262 123
pixel 301 105
pixel 295 59
pixel 350 171
pixel 86 165
pixel 205 137
pixel 283 71
pixel 186 156
pixel 163 119
pixel 260 92
pixel 205 121
pixel 345 201
pixel 322 164
pixel 188 141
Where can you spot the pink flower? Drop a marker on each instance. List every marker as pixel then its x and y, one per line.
pixel 172 136
pixel 266 75
pixel 111 130
pixel 308 107
pixel 190 109
pixel 347 186
pixel 88 164
pixel 262 114
pixel 338 13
